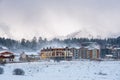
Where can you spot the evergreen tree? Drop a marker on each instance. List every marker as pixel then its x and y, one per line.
pixel 34 43
pixel 23 42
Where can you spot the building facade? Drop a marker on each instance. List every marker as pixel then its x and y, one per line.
pixel 76 53
pixel 116 53
pixel 93 53
pixel 104 52
pixel 56 54
pixel 83 53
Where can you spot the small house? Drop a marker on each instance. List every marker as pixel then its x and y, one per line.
pixel 6 56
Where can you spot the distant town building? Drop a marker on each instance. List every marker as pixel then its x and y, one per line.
pixel 116 53
pixel 93 53
pixel 83 52
pixel 105 51
pixel 88 50
pixel 76 53
pixel 56 53
pixel 27 57
pixel 23 57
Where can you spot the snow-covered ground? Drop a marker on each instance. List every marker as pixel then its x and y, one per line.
pixel 65 70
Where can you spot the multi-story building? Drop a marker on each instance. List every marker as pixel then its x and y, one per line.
pixel 93 53
pixel 83 52
pixel 76 53
pixel 116 53
pixel 86 53
pixel 56 53
pixel 89 50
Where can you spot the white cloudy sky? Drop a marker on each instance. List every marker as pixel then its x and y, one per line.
pixel 50 18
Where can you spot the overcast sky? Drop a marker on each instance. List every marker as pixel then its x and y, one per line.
pixel 50 18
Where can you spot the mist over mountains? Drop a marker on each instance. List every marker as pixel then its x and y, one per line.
pixel 89 35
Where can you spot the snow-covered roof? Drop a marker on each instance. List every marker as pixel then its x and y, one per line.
pixel 3 47
pixel 4 51
pixel 109 55
pixel 117 48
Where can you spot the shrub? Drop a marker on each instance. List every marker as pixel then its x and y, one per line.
pixel 1 70
pixel 18 72
pixel 2 63
pixel 100 73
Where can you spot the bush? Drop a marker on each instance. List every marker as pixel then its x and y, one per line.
pixel 100 73
pixel 1 70
pixel 2 63
pixel 18 72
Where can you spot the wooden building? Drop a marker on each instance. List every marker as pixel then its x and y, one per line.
pixel 6 56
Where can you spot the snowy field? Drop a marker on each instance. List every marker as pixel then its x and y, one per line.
pixel 65 70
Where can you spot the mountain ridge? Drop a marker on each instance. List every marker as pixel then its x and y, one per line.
pixel 88 34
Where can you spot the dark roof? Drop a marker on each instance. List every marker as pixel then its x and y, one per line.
pixel 6 52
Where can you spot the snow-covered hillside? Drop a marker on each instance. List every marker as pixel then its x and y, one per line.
pixel 66 70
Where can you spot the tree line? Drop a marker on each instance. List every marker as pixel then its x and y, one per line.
pixel 38 43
